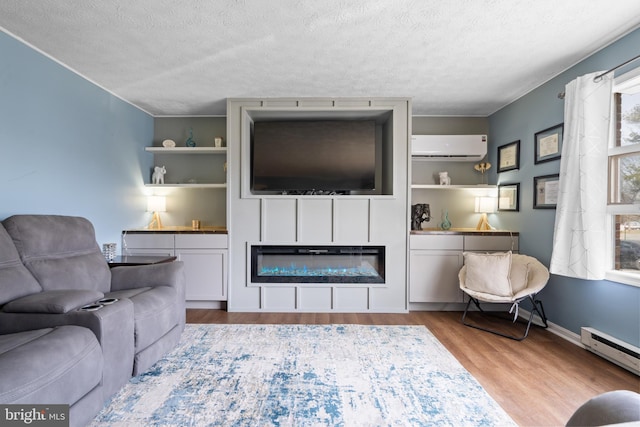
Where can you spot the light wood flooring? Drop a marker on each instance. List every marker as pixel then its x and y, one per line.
pixel 540 381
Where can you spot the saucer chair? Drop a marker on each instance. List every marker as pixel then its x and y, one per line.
pixel 503 277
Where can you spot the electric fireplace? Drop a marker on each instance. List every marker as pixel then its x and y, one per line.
pixel 317 264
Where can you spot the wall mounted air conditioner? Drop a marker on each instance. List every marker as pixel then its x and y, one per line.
pixel 458 148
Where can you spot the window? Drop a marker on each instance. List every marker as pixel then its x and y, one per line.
pixel 624 180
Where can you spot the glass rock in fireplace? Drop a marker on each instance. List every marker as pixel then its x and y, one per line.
pixel 317 264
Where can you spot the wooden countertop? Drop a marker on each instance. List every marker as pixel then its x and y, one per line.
pixel 180 229
pixel 464 232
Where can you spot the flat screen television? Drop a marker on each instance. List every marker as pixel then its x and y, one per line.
pixel 313 155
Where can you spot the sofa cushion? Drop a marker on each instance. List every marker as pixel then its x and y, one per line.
pixel 60 251
pixel 127 293
pixel 53 366
pixel 57 302
pixel 15 280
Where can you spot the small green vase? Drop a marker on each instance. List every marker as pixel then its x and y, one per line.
pixel 445 224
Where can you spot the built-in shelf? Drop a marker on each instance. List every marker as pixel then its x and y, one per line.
pixel 187 150
pixel 223 185
pixel 184 165
pixel 454 187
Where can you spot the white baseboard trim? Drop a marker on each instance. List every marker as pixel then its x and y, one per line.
pixel 555 329
pixel 214 305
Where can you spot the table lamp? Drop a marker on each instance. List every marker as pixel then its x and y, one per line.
pixel 156 204
pixel 485 205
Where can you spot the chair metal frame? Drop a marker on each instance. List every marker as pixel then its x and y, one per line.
pixel 535 303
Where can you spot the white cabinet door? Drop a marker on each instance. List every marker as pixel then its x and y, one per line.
pixel 147 244
pixel 149 252
pixel 491 243
pixel 434 276
pixel 205 273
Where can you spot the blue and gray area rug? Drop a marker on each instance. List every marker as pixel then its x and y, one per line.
pixel 305 375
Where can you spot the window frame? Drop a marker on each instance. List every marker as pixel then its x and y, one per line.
pixel 624 82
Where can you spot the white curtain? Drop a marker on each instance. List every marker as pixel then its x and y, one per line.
pixel 580 235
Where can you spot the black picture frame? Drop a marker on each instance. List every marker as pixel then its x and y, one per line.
pixel 509 156
pixel 509 197
pixel 548 144
pixel 545 191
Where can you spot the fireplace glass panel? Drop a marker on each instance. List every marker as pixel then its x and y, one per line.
pixel 317 264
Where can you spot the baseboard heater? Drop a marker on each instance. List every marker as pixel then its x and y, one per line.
pixel 619 352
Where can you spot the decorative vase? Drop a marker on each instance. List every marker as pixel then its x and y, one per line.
pixel 445 224
pixel 190 142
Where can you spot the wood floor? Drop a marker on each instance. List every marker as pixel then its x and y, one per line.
pixel 540 381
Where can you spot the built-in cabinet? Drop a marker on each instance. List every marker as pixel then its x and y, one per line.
pixel 367 218
pixel 436 259
pixel 204 256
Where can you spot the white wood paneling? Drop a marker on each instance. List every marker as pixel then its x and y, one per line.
pixel 315 299
pixel 279 298
pixel 351 220
pixel 354 299
pixel 315 220
pixel 279 219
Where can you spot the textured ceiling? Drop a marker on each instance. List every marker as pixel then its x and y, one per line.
pixel 453 57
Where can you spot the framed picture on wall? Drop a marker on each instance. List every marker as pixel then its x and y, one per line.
pixel 545 191
pixel 509 156
pixel 509 197
pixel 548 144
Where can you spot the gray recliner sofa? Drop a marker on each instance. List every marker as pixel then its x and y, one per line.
pixel 52 269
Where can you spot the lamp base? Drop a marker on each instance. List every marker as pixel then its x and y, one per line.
pixel 483 224
pixel 156 223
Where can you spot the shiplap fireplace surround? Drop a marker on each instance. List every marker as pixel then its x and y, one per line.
pixel 372 219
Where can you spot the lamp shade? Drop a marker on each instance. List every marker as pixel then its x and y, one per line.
pixel 156 204
pixel 485 204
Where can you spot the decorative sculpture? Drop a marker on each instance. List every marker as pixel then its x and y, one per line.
pixel 445 179
pixel 158 175
pixel 420 213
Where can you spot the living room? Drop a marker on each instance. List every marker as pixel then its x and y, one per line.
pixel 73 147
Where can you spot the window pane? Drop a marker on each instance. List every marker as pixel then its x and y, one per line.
pixel 628 243
pixel 630 119
pixel 625 178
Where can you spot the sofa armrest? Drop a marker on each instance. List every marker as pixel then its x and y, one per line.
pixel 142 276
pixel 53 302
pixel 163 274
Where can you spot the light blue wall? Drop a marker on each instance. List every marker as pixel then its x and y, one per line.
pixel 610 307
pixel 67 146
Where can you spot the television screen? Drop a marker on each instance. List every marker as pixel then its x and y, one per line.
pixel 320 155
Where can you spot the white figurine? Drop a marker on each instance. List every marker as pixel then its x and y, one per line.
pixel 444 178
pixel 158 175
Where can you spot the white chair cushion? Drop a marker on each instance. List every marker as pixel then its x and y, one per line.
pixel 489 273
pixel 519 275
